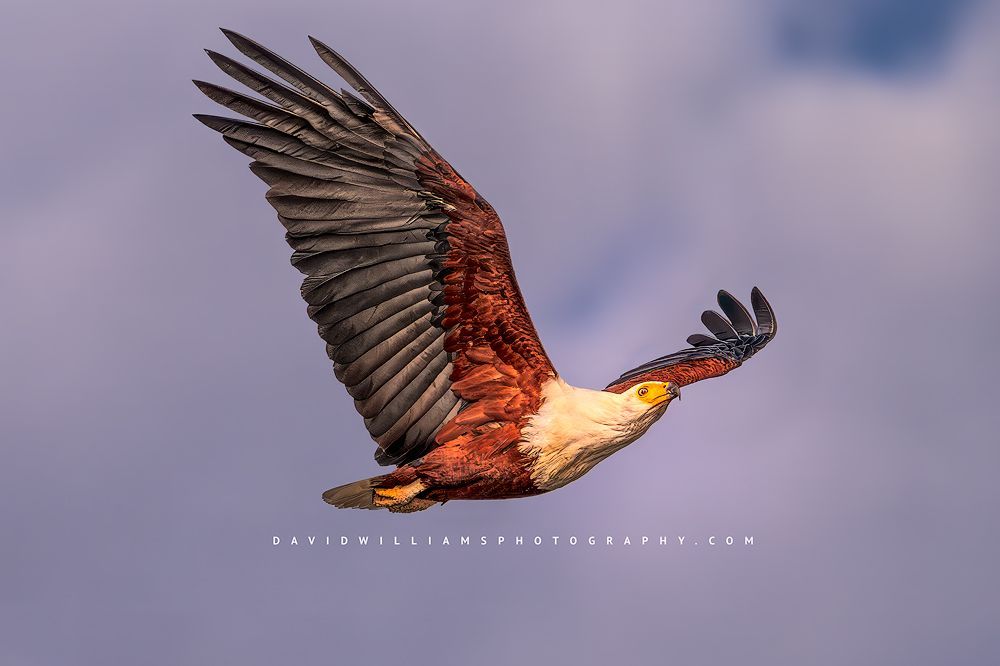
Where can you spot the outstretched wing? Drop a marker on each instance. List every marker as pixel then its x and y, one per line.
pixel 408 272
pixel 733 341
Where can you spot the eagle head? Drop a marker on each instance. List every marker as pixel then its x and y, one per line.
pixel 655 394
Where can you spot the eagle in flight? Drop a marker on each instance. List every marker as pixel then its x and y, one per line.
pixel 409 279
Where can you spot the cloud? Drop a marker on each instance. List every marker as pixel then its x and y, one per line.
pixel 889 36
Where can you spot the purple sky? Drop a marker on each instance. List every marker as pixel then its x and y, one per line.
pixel 166 406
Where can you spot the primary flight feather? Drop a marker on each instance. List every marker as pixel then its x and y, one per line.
pixel 409 279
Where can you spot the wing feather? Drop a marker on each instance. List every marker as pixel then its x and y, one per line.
pixel 356 303
pixel 381 353
pixel 341 330
pixel 429 339
pixel 408 396
pixel 407 269
pixel 741 320
pixel 424 361
pixel 736 340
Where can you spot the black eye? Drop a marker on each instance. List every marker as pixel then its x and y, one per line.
pixel 643 391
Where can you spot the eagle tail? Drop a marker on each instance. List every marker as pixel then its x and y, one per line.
pixel 377 493
pixel 357 495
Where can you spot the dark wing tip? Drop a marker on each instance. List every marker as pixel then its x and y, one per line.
pixel 737 313
pixel 323 49
pixel 718 325
pixel 701 340
pixel 204 119
pixel 766 321
pixel 735 340
pixel 740 331
pixel 217 57
pixel 238 40
pixel 235 37
pixel 322 46
pixel 218 123
pixel 242 42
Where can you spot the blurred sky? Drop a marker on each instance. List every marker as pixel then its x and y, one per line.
pixel 166 406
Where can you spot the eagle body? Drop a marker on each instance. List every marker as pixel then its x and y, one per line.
pixel 576 428
pixel 408 277
pixel 573 430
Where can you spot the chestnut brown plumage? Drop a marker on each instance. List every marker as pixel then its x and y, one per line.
pixel 410 282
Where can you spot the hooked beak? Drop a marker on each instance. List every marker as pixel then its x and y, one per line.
pixel 673 390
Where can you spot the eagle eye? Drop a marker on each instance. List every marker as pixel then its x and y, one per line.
pixel 643 391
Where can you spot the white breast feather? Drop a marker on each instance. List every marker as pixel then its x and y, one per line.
pixel 576 428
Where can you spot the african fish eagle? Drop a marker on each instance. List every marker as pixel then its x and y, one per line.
pixel 409 278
